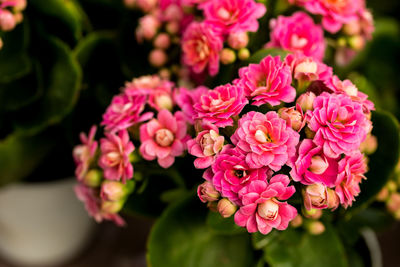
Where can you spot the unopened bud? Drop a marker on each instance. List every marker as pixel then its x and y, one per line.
pixel 157 58
pixel 112 206
pixel 93 178
pixel 333 199
pixel 164 101
pixel 297 221
pixel 1 43
pixel 312 213
pixel 238 40
pixel 226 208
pixel 315 196
pixel 306 101
pixel 293 117
pixel 227 56
pixel 369 145
pixel 162 41
pixel 7 20
pixel 172 27
pixel 315 227
pixel 357 42
pixel 130 3
pixel 383 195
pixel 207 192
pixel 352 28
pixel 268 210
pixel 318 165
pixel 243 54
pixel 393 204
pixel 113 191
pixel 392 186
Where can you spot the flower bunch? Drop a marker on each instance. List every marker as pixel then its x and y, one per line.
pixel 149 112
pixel 10 15
pixel 307 127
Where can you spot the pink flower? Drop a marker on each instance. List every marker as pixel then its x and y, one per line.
pixel 339 124
pixel 201 46
pixel 205 147
pixel 266 138
pixel 83 154
pixel 233 15
pixel 348 88
pixel 263 208
pixel 218 106
pixel 334 13
pixel 186 99
pixel 310 165
pixel 350 174
pixel 125 110
pixel 307 68
pixel 298 33
pixel 114 159
pixel 90 197
pixel 267 82
pixel 231 173
pixel 164 138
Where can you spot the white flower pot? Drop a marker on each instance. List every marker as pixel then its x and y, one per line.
pixel 42 224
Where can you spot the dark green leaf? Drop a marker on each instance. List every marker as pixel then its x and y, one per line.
pixel 14 60
pixel 384 160
pixel 260 54
pixel 181 238
pixel 61 78
pixel 301 249
pixel 225 226
pixel 19 155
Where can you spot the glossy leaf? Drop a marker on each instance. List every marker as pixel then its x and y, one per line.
pixel 61 79
pixel 225 226
pixel 182 238
pixel 383 161
pixel 14 60
pixel 301 249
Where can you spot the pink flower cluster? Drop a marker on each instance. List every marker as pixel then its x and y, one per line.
pixel 252 157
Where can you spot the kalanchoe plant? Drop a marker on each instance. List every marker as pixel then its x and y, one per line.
pixel 285 154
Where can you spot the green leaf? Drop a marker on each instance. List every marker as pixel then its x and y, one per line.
pixel 260 241
pixel 384 160
pixel 68 12
pixel 260 54
pixel 62 79
pixel 181 238
pixel 225 226
pixel 301 249
pixel 14 59
pixel 19 155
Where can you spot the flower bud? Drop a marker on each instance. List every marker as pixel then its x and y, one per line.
pixel 157 58
pixel 383 195
pixel 297 221
pixel 315 227
pixel 1 43
pixel 173 13
pixel 244 54
pixel 113 191
pixel 147 29
pixel 318 165
pixel 352 28
pixel 7 20
pixel 207 192
pixel 293 117
pixel 238 40
pixel 315 196
pixel 268 210
pixel 306 101
pixel 19 5
pixel 172 27
pixel 165 74
pixel 226 208
pixel 162 41
pixel 357 42
pixel 369 145
pixel 312 213
pixel 112 206
pixel 393 204
pixel 333 199
pixel 164 101
pixel 392 186
pixel 93 178
pixel 147 5
pixel 227 56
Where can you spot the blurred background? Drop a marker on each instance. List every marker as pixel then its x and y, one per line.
pixel 59 69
